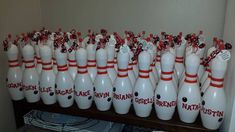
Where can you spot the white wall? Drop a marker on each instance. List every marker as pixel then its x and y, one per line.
pixel 137 15
pixel 229 35
pixel 16 16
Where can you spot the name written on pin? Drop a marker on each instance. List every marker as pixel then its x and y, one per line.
pixel 144 101
pixel 165 103
pixel 29 87
pixel 14 85
pixel 101 95
pixel 191 107
pixel 46 90
pixel 64 91
pixel 122 96
pixel 212 112
pixel 82 93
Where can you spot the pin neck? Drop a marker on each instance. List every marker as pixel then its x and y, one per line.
pixel 62 68
pixel 46 65
pixel 143 73
pixel 102 70
pixel 29 64
pixel 166 76
pixel 217 82
pixel 110 64
pixel 82 69
pixel 190 78
pixel 179 59
pixel 13 63
pixel 91 63
pixel 72 63
pixel 122 72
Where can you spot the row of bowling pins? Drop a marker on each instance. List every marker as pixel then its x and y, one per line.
pixel 165 98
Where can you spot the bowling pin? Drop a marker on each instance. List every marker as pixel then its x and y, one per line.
pixel 208 70
pixel 179 60
pixel 30 76
pixel 72 64
pixel 14 74
pixel 110 48
pixel 214 100
pixel 201 69
pixel 158 65
pixel 143 89
pixel 103 88
pixel 115 61
pixel 151 50
pixel 64 83
pixel 122 90
pixel 50 43
pixel 189 98
pixel 91 62
pixel 131 73
pixel 165 93
pixel 206 83
pixel 47 78
pixel 135 67
pixel 37 57
pixel 188 51
pixel 83 84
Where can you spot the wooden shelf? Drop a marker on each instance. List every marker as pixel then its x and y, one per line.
pixel 22 107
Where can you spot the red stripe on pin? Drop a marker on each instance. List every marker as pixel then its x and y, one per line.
pixel 190 81
pixel 166 79
pixel 125 75
pixel 167 73
pixel 216 85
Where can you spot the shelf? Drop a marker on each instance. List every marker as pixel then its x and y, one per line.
pixel 22 107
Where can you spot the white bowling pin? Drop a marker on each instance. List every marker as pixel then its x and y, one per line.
pixel 201 68
pixel 131 73
pixel 110 63
pixel 47 78
pixel 14 74
pixel 91 62
pixel 179 60
pixel 143 89
pixel 54 64
pixel 122 90
pixel 165 93
pixel 72 64
pixel 50 43
pixel 207 82
pixel 214 99
pixel 158 65
pixel 30 76
pixel 151 74
pixel 189 98
pixel 38 58
pixel 115 61
pixel 135 67
pixel 83 84
pixel 208 70
pixel 188 51
pixel 64 83
pixel 103 89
